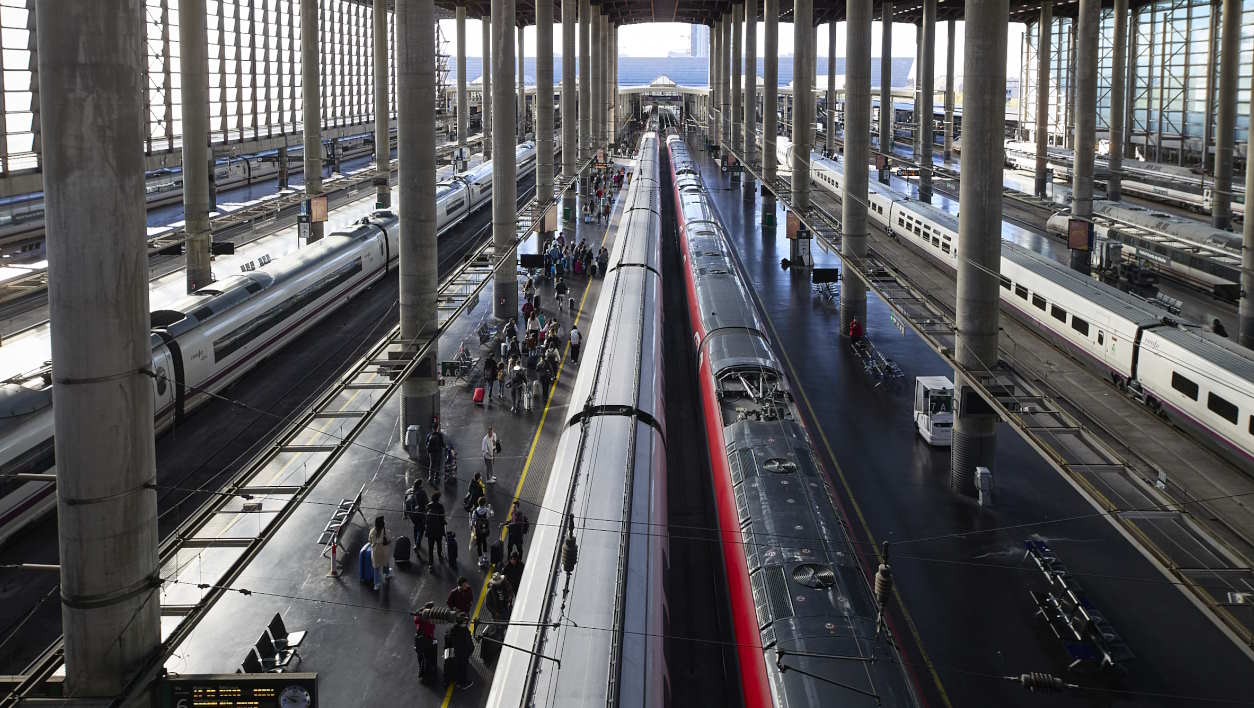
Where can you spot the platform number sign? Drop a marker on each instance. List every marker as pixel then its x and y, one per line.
pixel 295 690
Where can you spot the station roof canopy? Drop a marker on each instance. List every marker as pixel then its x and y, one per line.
pixel 708 11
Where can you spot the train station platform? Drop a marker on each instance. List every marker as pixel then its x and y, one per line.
pixel 963 582
pixel 361 642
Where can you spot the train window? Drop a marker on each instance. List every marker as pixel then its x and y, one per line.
pixel 1223 408
pixel 1080 325
pixel 1005 282
pixel 456 205
pixel 1058 313
pixel 945 247
pixel 1184 385
pixel 1101 339
pixel 1038 302
pixel 1021 291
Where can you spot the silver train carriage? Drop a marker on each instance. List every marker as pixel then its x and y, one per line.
pixel 605 620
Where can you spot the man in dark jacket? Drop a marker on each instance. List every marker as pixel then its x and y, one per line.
pixel 435 453
pixel 517 527
pixel 489 377
pixel 513 570
pixel 416 511
pixel 463 645
pixel 435 530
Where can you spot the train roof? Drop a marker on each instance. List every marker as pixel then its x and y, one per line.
pixel 1219 351
pixel 1100 294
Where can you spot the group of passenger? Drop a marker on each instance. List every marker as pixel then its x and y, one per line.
pixel 527 367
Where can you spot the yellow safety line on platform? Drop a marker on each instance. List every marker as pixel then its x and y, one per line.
pixel 535 441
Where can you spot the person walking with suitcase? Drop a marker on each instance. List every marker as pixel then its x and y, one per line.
pixel 435 530
pixel 379 542
pixel 491 446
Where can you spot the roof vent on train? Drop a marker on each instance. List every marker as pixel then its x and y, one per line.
pixel 164 318
pixel 779 465
pixel 814 575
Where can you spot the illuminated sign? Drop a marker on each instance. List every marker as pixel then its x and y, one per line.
pixel 296 690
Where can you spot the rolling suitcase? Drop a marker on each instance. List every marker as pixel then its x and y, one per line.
pixel 402 550
pixel 366 569
pixel 478 396
pixel 451 543
pixel 490 643
pixel 496 552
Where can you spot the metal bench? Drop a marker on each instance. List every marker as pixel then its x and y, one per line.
pixel 340 520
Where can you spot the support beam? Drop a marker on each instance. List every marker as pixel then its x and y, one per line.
pixel 918 92
pixel 505 166
pixel 716 120
pixel 1119 61
pixel 603 110
pixel 311 105
pixel 886 85
pixel 613 83
pixel 979 236
pixel 419 274
pixel 1044 29
pixel 585 79
pixel 382 145
pixel 1225 132
pixel 724 80
pixel 197 161
pixel 857 154
pixel 544 101
pixel 750 121
pixel 92 72
pixel 1088 24
pixel 487 100
pixel 596 66
pixel 737 78
pixel 803 114
pixel 949 91
pixel 830 127
pixel 463 103
pixel 521 132
pixel 570 107
pixel 770 96
pixel 927 91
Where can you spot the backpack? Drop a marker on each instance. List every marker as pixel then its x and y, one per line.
pixel 482 527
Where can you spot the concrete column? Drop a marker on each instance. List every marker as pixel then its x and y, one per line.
pixel 197 162
pixel 949 91
pixel 521 133
pixel 570 104
pixel 737 79
pixel 918 75
pixel 601 113
pixel 1085 112
pixel 751 81
pixel 1246 309
pixel 716 105
pixel 886 84
pixel 419 274
pixel 1119 61
pixel 927 89
pixel 382 146
pixel 857 155
pixel 830 125
pixel 585 79
pixel 770 95
pixel 311 104
pixel 803 112
pixel 486 102
pixel 1044 28
pixel 979 235
pixel 505 166
pixel 463 103
pixel 596 104
pixel 725 82
pixel 1225 132
pixel 92 75
pixel 544 101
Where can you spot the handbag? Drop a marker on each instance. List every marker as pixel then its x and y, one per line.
pixel 497 447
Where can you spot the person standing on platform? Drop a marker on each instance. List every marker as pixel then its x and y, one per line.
pixel 855 330
pixel 491 446
pixel 576 339
pixel 513 570
pixel 463 645
pixel 425 647
pixel 461 597
pixel 435 530
pixel 379 550
pixel 475 492
pixel 481 528
pixel 516 527
pixel 435 453
pixel 489 376
pixel 416 511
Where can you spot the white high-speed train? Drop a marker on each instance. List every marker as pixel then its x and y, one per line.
pixel 1197 379
pixel 204 342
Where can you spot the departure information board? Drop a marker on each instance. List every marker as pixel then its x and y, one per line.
pixel 240 691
